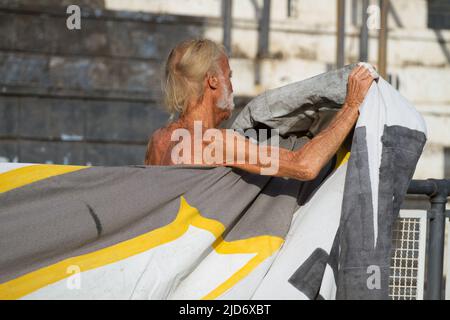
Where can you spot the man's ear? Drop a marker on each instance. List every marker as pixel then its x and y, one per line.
pixel 213 81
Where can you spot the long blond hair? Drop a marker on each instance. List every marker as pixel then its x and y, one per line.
pixel 186 67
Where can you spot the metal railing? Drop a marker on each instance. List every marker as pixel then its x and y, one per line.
pixel 437 191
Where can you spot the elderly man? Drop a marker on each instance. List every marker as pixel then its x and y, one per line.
pixel 198 87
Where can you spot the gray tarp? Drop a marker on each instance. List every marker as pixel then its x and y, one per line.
pixel 167 232
pixel 301 108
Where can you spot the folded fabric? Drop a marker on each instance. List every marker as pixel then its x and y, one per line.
pixel 152 232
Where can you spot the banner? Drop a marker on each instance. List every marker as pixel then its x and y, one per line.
pixel 192 232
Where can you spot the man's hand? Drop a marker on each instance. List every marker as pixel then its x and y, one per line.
pixel 359 82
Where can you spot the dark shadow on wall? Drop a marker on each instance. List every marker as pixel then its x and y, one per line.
pixel 395 16
pixel 438 19
pixel 438 14
pixel 447 163
pixel 89 96
pixel 442 44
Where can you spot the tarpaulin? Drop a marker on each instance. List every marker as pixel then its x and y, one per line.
pixel 185 232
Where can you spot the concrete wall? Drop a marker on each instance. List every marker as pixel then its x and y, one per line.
pixel 82 97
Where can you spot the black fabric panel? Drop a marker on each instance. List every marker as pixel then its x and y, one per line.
pixel 402 148
pixel 308 277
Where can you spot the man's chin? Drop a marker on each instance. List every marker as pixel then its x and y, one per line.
pixel 229 113
pixel 225 113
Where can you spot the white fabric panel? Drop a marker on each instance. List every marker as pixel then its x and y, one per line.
pixel 8 166
pixel 148 275
pixel 313 226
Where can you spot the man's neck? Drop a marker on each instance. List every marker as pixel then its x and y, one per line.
pixel 202 111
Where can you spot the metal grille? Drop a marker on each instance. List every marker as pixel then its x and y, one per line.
pixel 406 278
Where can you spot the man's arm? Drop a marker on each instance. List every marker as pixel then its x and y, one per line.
pixel 306 163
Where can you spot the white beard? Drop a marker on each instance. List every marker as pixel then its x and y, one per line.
pixel 226 102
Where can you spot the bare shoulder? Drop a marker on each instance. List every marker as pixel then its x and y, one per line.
pixel 159 136
pixel 157 145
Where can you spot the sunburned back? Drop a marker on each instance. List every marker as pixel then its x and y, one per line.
pixel 159 147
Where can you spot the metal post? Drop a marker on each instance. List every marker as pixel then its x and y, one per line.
pixel 436 241
pixel 264 28
pixel 382 38
pixel 227 6
pixel 340 28
pixel 438 191
pixel 364 34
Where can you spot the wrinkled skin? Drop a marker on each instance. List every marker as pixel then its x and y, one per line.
pixel 303 164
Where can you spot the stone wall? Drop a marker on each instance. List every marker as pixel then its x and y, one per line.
pixel 88 96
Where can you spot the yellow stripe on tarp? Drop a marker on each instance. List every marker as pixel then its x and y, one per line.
pixel 40 278
pixel 342 157
pixel 20 177
pixel 186 216
pixel 263 246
